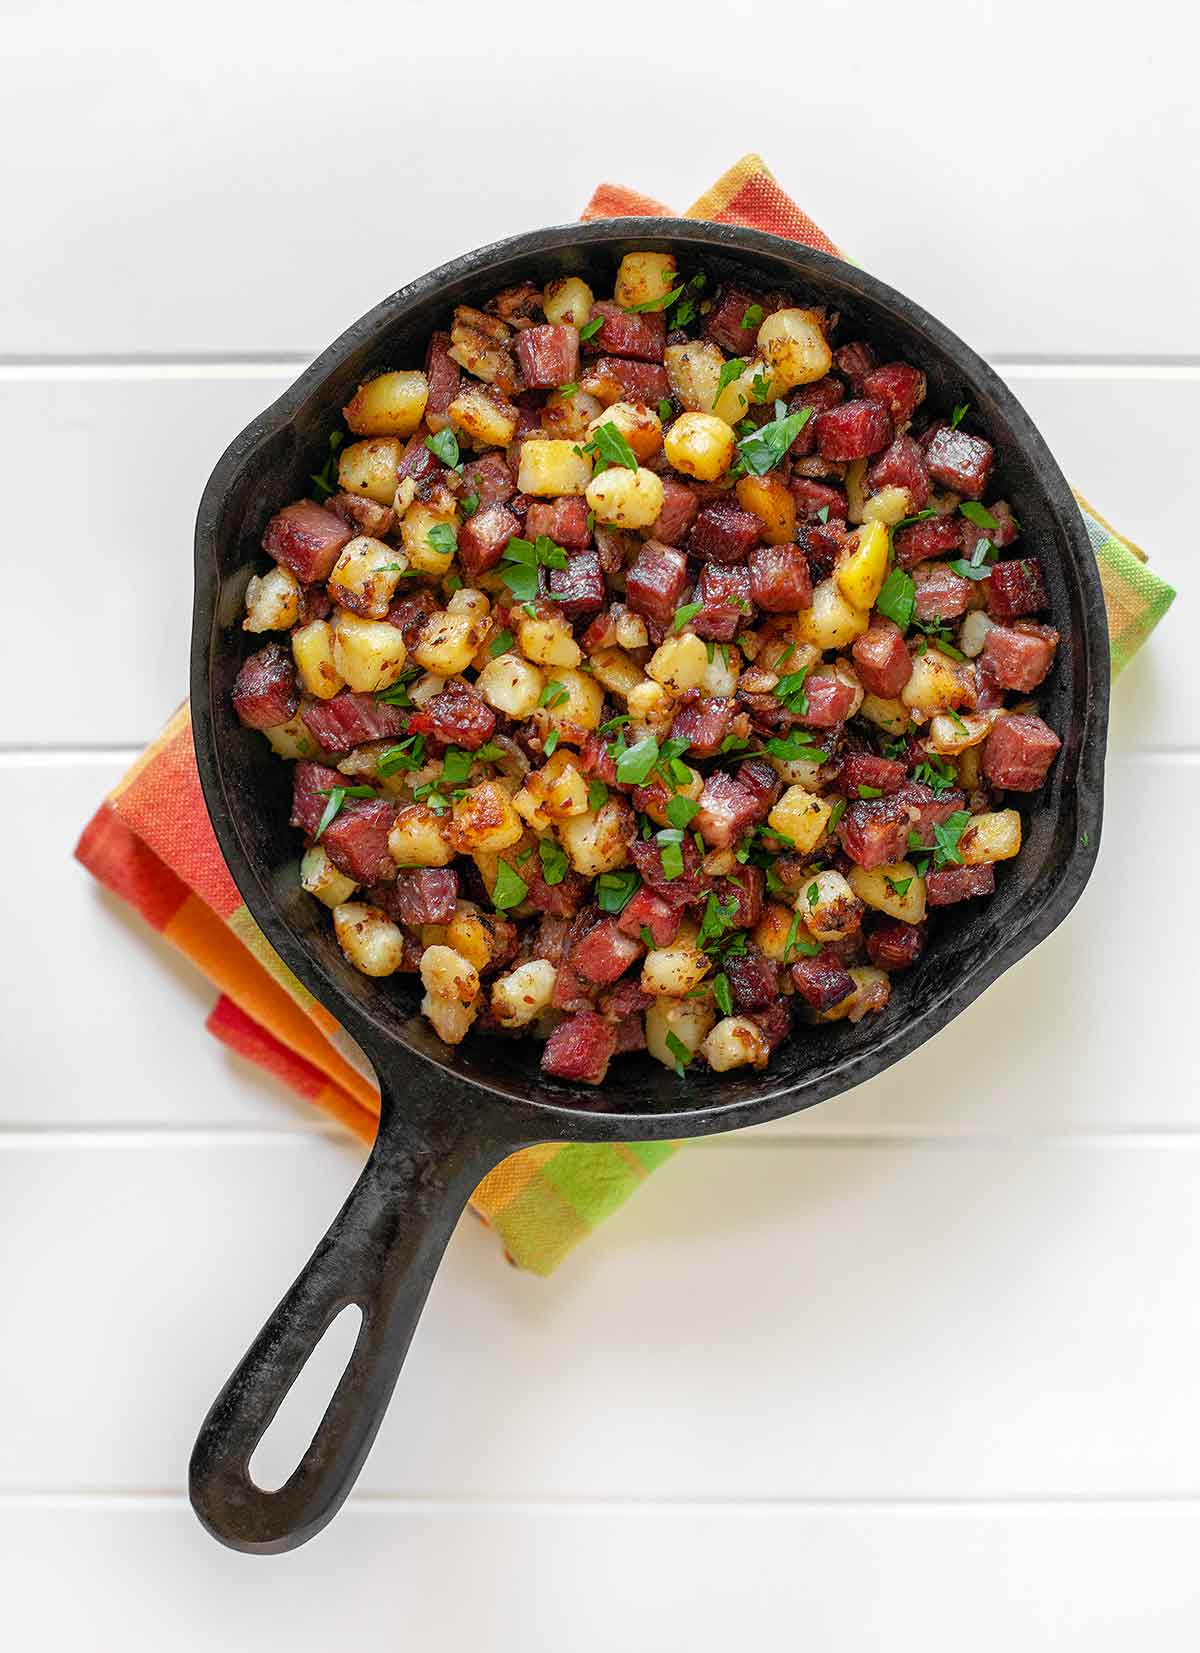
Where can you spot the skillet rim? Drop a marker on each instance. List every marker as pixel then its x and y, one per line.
pixel 546 1120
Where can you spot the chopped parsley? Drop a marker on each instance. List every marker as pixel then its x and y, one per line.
pixel 752 315
pixel 554 694
pixel 554 860
pixel 979 567
pixel 510 888
pixel 679 1051
pixel 688 612
pixel 443 539
pixel 409 754
pixel 610 447
pixel 681 811
pixel 898 886
pixel 444 446
pixel 670 851
pixel 935 772
pixel 722 994
pixel 717 921
pixel 729 372
pixel 978 514
pixel 813 894
pixel 567 391
pixel 959 414
pixel 898 598
pixel 794 750
pixel 870 792
pixel 789 691
pixel 469 505
pixel 597 795
pixel 550 744
pixel 647 939
pixel 659 303
pixel 324 481
pixel 763 450
pixel 337 796
pixel 501 643
pixel 635 763
pixel 591 328
pixel 520 561
pixel 614 890
pixel 823 514
pixel 794 942
pixel 665 410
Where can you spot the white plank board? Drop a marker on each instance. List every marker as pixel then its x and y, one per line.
pixel 815 1321
pixel 1065 1042
pixel 217 180
pixel 676 1580
pixel 142 443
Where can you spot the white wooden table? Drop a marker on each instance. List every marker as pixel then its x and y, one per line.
pixel 916 1370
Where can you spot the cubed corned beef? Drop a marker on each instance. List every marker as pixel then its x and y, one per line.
pixel 960 461
pixel 409 614
pixel 461 717
pixel 723 532
pixel 605 952
pixel 902 465
pixel 601 632
pixel 645 382
pixel 350 719
pixel 265 692
pixel 678 513
pixel 625 1001
pixel 876 832
pixel 549 938
pixel 356 840
pixel 865 769
pixel 578 589
pixel 306 538
pixel 941 593
pixel 822 544
pixel 927 808
pixel 723 324
pixel 1015 588
pixel 881 659
pixel 727 809
pixel 811 498
pixel 655 583
pixel 744 886
pixel 819 396
pixel 854 361
pixel 549 356
pixel 691 884
pixel 311 785
pixel 1019 657
pixel 519 306
pixel 490 478
pixel 571 991
pixel 894 945
pixel 703 724
pixel 419 462
pixel 724 589
pixel 444 380
pixel 753 979
pixel 643 336
pixel 363 516
pixel 557 901
pixel 615 546
pixel 1019 751
pixel 482 538
pixel 580 1049
pixel 943 888
pixel 564 520
pixel 631 1033
pixel 426 896
pixel 934 538
pixel 899 386
pixel 829 702
pixel 852 430
pixel 645 910
pixel 775 1021
pixel 780 581
pixel 823 981
pixel 1001 535
pixel 596 759
pixel 761 780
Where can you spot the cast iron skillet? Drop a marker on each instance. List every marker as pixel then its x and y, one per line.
pixel 448 1116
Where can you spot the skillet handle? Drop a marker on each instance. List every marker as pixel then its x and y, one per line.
pixel 381 1252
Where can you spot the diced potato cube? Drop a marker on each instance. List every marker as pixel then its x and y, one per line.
pixel 770 499
pixel 656 804
pixel 426 687
pixel 582 708
pixel 391 405
pixel 469 601
pixel 570 415
pixel 650 706
pixel 321 878
pixel 368 938
pixel 856 490
pixel 272 601
pixel 511 685
pixel 735 1042
pixel 631 630
pixel 447 975
pixel 369 468
pixel 832 621
pixel 644 277
pixel 937 684
pixel 366 575
pixel 872 990
pixel 794 343
pixel 972 634
pixel 694 372
pixel 567 301
pixel 701 445
pixel 756 383
pixel 615 671
pixel 447 642
pixel 863 567
pixel 518 997
pixel 844 671
pixel 484 416
pixel 829 907
pixel 368 654
pixel 771 932
pixel 312 650
pixel 595 842
pixel 889 506
pixel 995 836
pixel 484 819
pixel 721 672
pixel 450 1019
pixel 551 467
pixel 894 889
pixel 673 971
pixel 292 739
pixel 889 715
pixel 640 426
pixel 624 498
pixel 687 1019
pixel 417 839
pixel 552 793
pixel 546 639
pixel 802 817
pixel 473 934
pixel 952 735
pixel 679 662
pixel 970 768
pixel 428 556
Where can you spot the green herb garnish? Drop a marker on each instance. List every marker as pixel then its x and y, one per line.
pixel 337 796
pixel 591 328
pixel 636 762
pixel 614 890
pixel 681 811
pixel 898 598
pixel 325 481
pixel 554 860
pixel 510 888
pixel 978 514
pixel 444 446
pixel 722 994
pixel 597 795
pixel 688 612
pixel 766 448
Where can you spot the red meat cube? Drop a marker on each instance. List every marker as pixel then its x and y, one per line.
pixel 647 911
pixel 775 1020
pixel 549 356
pixel 603 953
pixel 655 583
pixel 1019 657
pixel 490 478
pixel 761 780
pixel 691 885
pixel 881 659
pixel 644 382
pixel 933 538
pixel 678 513
pixel 409 614
pixel 823 981
pixel 941 593
pixel 564 520
pixel 571 992
pixel 822 544
pixel 829 702
pixel 725 592
pixel 780 581
pixel 356 840
pixel 578 589
pixel 744 887
pixel 1018 752
pixel 927 808
pixel 363 516
pixel 723 324
pixel 306 538
pixel 951 884
pixel 865 769
pixel 900 387
pixel 814 497
pixel 482 538
pixel 643 336
pixel 595 759
pixel 753 979
pixel 461 717
pixel 444 380
pixel 723 532
pixel 426 896
pixel 623 1002
pixel 703 724
pixel 557 901
pixel 311 785
pixel 350 719
pixel 1016 588
pixel 960 461
pixel 872 834
pixel 421 463
pixel 852 430
pixel 854 361
pixel 727 809
pixel 819 396
pixel 264 691
pixel 902 465
pixel 580 1049
pixel 894 945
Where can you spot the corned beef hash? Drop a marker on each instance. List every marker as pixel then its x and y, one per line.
pixel 650 669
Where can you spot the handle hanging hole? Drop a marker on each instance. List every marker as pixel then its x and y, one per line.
pixel 289 1434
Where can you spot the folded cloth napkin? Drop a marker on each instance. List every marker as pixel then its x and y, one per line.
pixel 151 844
